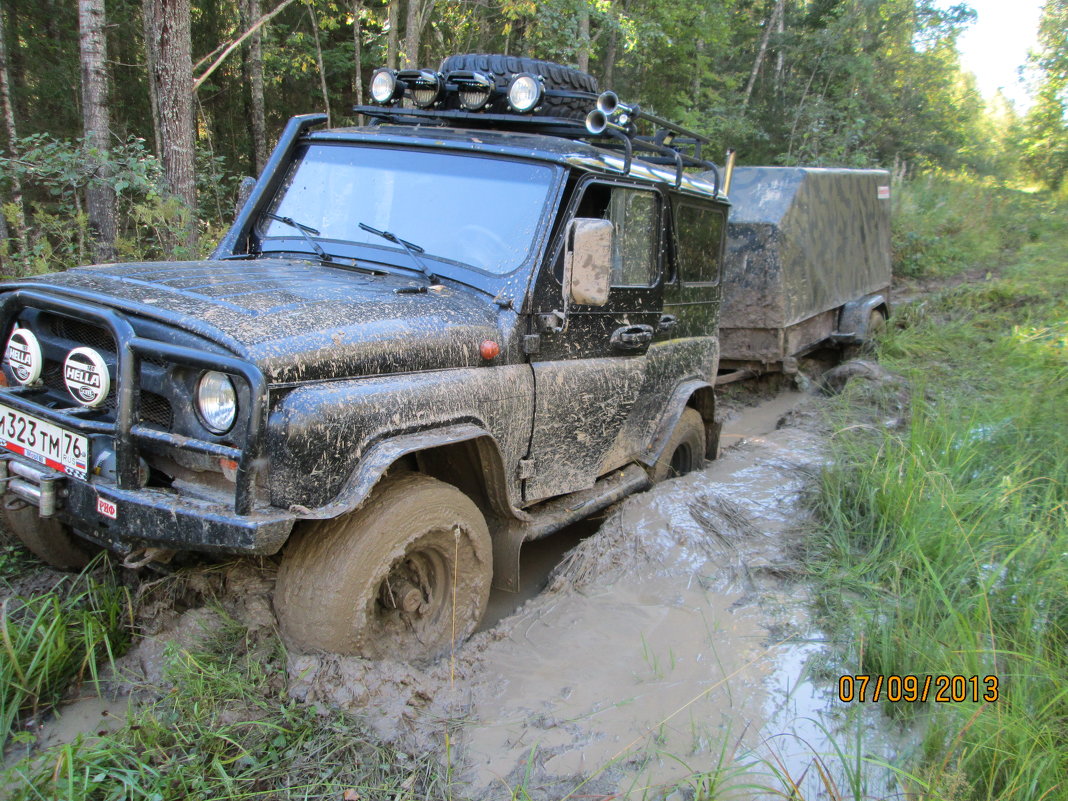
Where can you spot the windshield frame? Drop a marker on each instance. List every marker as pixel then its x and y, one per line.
pixel 394 257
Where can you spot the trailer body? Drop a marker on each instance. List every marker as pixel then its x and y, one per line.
pixel 807 262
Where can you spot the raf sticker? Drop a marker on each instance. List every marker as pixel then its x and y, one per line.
pixel 107 508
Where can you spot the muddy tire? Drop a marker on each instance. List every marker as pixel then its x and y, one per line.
pixel 685 451
pixel 46 537
pixel 556 76
pixel 381 582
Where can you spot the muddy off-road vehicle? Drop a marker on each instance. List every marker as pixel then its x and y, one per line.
pixel 487 314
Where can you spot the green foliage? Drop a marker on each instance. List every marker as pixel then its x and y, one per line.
pixel 50 640
pixel 55 175
pixel 946 223
pixel 948 538
pixel 1046 129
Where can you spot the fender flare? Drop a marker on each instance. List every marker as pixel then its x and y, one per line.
pixel 378 458
pixel 853 318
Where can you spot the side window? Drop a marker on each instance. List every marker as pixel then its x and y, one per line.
pixel 635 214
pixel 698 231
pixel 634 256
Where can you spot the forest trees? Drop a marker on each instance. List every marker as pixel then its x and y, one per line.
pixel 1046 128
pixel 210 84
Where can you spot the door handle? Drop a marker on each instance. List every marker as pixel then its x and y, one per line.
pixel 631 337
pixel 667 322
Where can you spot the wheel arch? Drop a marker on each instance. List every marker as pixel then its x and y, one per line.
pixel 699 395
pixel 464 455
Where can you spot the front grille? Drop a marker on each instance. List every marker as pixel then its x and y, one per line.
pixel 156 409
pixel 83 333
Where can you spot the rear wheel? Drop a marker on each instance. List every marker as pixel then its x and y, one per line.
pixel 685 451
pixel 406 576
pixel 46 537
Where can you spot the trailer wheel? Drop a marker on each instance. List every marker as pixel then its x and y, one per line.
pixel 45 537
pixel 404 577
pixel 685 451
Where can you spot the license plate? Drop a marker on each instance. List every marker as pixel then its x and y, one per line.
pixel 44 442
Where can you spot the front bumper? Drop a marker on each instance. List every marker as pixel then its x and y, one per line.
pixel 125 520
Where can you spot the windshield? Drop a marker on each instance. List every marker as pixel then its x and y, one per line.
pixel 481 212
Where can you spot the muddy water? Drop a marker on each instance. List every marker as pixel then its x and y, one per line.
pixel 676 641
pixel 671 644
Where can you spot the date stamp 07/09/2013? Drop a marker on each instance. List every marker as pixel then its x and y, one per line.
pixel 909 688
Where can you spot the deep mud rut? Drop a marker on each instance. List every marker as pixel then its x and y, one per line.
pixel 672 640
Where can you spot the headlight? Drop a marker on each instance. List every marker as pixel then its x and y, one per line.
pixel 216 402
pixel 525 92
pixel 384 86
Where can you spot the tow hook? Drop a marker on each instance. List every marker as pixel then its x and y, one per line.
pixel 139 557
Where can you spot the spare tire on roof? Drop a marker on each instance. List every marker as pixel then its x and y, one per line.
pixel 556 77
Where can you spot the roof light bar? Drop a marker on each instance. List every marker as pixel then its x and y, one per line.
pixel 475 89
pixel 425 87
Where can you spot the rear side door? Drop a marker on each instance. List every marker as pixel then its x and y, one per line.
pixel 591 362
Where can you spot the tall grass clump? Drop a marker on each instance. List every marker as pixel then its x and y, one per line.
pixel 51 640
pixel 950 538
pixel 945 223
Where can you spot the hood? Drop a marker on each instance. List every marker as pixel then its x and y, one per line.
pixel 297 320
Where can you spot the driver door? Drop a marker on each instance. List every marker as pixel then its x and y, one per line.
pixel 591 363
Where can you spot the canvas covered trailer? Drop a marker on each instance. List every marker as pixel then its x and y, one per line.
pixel 807 263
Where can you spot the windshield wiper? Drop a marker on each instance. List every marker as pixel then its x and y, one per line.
pixel 410 247
pixel 304 230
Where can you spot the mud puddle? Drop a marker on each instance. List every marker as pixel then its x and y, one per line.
pixel 672 646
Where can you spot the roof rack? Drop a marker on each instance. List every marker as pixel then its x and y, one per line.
pixel 611 125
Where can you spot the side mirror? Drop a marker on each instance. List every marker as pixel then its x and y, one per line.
pixel 244 190
pixel 588 261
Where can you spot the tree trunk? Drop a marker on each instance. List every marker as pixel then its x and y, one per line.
pixel 412 34
pixel 582 53
pixel 357 56
pixel 257 114
pixel 393 20
pixel 151 57
pixel 12 136
pixel 99 194
pixel 173 77
pixel 759 60
pixel 319 61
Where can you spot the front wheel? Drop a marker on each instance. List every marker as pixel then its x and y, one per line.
pixel 404 577
pixel 685 451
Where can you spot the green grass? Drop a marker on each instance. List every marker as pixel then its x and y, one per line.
pixel 227 730
pixel 51 640
pixel 944 224
pixel 945 546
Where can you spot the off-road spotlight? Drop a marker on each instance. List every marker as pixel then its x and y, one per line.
pixel 525 92
pixel 426 87
pixel 474 88
pixel 384 86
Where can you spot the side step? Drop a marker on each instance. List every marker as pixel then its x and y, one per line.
pixel 553 515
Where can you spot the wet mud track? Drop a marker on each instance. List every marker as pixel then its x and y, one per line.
pixel 672 642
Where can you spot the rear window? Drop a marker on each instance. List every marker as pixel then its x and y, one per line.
pixel 699 237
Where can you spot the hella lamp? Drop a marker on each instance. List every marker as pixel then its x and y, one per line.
pixel 525 92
